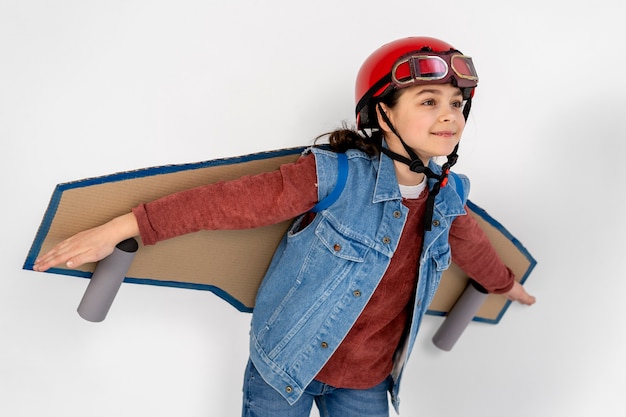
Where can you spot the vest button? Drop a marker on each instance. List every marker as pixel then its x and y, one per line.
pixel 288 389
pixel 356 293
pixel 386 240
pixel 436 223
pixel 324 345
pixel 337 247
pixel 397 214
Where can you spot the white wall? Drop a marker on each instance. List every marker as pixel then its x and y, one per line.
pixel 89 88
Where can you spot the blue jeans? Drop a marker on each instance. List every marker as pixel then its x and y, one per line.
pixel 261 400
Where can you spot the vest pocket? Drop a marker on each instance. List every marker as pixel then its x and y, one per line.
pixel 442 258
pixel 339 244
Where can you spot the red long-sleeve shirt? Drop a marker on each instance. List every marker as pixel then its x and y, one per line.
pixel 365 356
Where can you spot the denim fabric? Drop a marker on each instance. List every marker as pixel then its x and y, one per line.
pixel 261 400
pixel 323 274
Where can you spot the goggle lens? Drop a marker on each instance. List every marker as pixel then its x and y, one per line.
pixel 433 68
pixel 464 67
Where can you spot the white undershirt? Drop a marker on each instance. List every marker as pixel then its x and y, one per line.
pixel 412 191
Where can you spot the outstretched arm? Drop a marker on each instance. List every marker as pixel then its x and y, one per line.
pixel 473 252
pixel 249 201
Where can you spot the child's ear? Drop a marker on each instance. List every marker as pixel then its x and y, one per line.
pixel 381 120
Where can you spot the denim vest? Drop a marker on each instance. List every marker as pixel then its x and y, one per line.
pixel 323 274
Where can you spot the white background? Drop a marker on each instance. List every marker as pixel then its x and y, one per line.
pixel 90 88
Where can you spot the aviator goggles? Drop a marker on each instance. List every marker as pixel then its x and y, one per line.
pixel 420 68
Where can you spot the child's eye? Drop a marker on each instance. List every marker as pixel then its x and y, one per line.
pixel 457 104
pixel 429 102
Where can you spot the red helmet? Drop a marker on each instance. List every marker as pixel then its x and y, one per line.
pixel 406 62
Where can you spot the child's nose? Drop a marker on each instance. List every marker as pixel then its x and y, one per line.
pixel 447 115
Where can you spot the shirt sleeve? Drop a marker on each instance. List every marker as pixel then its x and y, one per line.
pixel 248 202
pixel 473 253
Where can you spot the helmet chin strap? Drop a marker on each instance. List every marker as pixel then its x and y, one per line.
pixel 416 165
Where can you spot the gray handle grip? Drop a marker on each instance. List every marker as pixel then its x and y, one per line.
pixel 459 316
pixel 106 281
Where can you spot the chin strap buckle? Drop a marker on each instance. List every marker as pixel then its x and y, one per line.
pixel 444 177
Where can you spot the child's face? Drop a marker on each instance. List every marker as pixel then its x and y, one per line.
pixel 429 118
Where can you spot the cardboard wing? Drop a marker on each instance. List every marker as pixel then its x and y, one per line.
pixel 230 264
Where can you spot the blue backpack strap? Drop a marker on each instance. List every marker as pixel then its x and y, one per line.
pixel 342 177
pixel 458 185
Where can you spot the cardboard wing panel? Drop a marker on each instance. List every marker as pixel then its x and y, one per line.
pixel 229 263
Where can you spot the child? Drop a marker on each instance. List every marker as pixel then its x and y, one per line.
pixel 338 311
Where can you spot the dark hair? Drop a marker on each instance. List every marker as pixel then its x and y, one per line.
pixel 345 138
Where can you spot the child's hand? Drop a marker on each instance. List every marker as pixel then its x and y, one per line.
pixel 519 294
pixel 89 245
